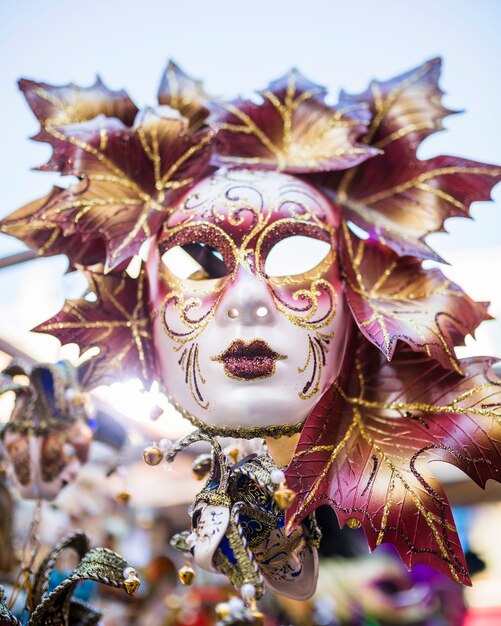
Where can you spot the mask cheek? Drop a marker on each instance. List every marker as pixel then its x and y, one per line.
pixel 309 303
pixel 185 315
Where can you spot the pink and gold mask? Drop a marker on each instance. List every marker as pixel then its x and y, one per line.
pixel 241 335
pixel 244 343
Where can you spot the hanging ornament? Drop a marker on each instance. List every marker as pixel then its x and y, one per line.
pixel 152 455
pixel 186 574
pixel 238 529
pixel 49 433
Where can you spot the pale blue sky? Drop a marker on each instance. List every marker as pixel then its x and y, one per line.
pixel 238 45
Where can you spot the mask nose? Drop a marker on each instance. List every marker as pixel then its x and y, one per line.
pixel 246 301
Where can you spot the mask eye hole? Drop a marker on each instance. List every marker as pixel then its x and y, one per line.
pixel 295 255
pixel 195 261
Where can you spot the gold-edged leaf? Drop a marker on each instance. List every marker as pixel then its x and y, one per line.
pixel 116 320
pixel 365 449
pixel 291 129
pixel 47 237
pixel 395 299
pixel 396 197
pixel 130 178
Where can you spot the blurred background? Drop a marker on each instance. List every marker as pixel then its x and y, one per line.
pixel 236 46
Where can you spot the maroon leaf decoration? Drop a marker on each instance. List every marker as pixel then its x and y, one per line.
pixel 47 237
pixel 117 322
pixel 70 104
pixel 394 298
pixel 130 178
pixel 185 94
pixel 396 197
pixel 364 450
pixel 291 129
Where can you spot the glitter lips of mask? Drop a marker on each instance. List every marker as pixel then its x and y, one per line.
pixel 248 361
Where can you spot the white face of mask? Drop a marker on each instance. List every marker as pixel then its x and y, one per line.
pixel 250 322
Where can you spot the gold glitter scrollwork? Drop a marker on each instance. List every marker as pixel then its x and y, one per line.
pixel 189 362
pixel 318 347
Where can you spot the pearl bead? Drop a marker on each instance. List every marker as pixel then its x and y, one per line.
pixel 165 445
pixel 236 605
pixel 128 572
pixel 277 476
pixel 247 591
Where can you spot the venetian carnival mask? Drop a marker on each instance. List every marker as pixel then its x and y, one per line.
pixel 243 338
pixel 48 436
pixel 347 340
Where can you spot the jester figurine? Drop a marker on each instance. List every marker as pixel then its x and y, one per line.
pixel 262 259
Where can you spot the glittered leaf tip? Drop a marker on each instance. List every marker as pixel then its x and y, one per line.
pixel 396 197
pixel 186 95
pixel 47 236
pixel 61 105
pixel 291 129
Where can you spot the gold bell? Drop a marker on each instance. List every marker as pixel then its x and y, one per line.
pixel 233 454
pixel 122 497
pixel 284 497
pixel 223 610
pixel 131 582
pixel 353 523
pixel 258 618
pixel 186 575
pixel 132 585
pixel 152 455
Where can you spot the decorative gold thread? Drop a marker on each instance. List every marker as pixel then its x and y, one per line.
pixel 334 454
pixel 415 406
pixel 206 139
pixel 239 432
pixel 403 132
pixel 386 510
